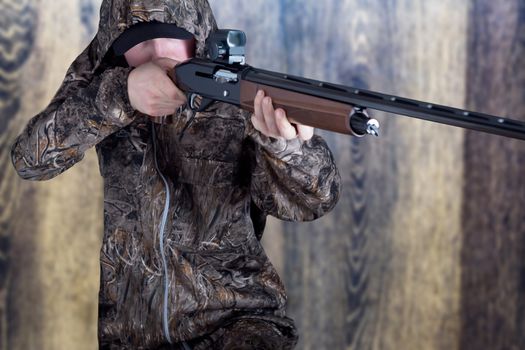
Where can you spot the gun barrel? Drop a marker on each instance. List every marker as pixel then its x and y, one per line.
pixel 320 104
pixel 388 103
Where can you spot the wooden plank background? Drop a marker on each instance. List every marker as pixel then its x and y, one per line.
pixel 493 229
pixel 425 248
pixel 53 228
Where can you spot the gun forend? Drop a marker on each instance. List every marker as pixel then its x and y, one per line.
pixel 305 109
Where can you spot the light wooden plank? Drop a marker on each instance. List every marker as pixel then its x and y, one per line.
pixel 57 228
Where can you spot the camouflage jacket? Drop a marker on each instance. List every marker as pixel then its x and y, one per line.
pixel 223 177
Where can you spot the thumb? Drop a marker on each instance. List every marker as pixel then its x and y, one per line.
pixel 165 63
pixel 305 132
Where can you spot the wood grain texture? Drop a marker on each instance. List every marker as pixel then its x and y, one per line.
pixel 17 24
pixel 382 270
pixel 54 231
pixel 420 292
pixel 425 248
pixel 492 258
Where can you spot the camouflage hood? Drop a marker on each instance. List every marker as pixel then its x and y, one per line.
pixel 116 16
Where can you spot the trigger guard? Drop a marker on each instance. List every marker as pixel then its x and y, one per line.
pixel 192 102
pixel 204 103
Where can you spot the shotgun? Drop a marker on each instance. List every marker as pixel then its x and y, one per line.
pixel 226 77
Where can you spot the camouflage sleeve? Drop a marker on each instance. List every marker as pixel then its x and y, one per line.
pixel 79 117
pixel 293 180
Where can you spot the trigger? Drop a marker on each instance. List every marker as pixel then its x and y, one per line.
pixel 199 103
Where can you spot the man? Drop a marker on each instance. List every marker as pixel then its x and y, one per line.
pixel 184 203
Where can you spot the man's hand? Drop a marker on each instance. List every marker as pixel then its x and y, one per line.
pixel 274 123
pixel 151 91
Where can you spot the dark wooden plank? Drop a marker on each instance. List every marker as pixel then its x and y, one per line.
pixel 493 265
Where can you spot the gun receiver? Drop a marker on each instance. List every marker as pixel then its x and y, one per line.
pixel 226 78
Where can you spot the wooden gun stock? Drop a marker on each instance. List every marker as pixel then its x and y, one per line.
pixel 300 108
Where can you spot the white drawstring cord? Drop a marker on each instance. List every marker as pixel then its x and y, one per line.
pixel 161 243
